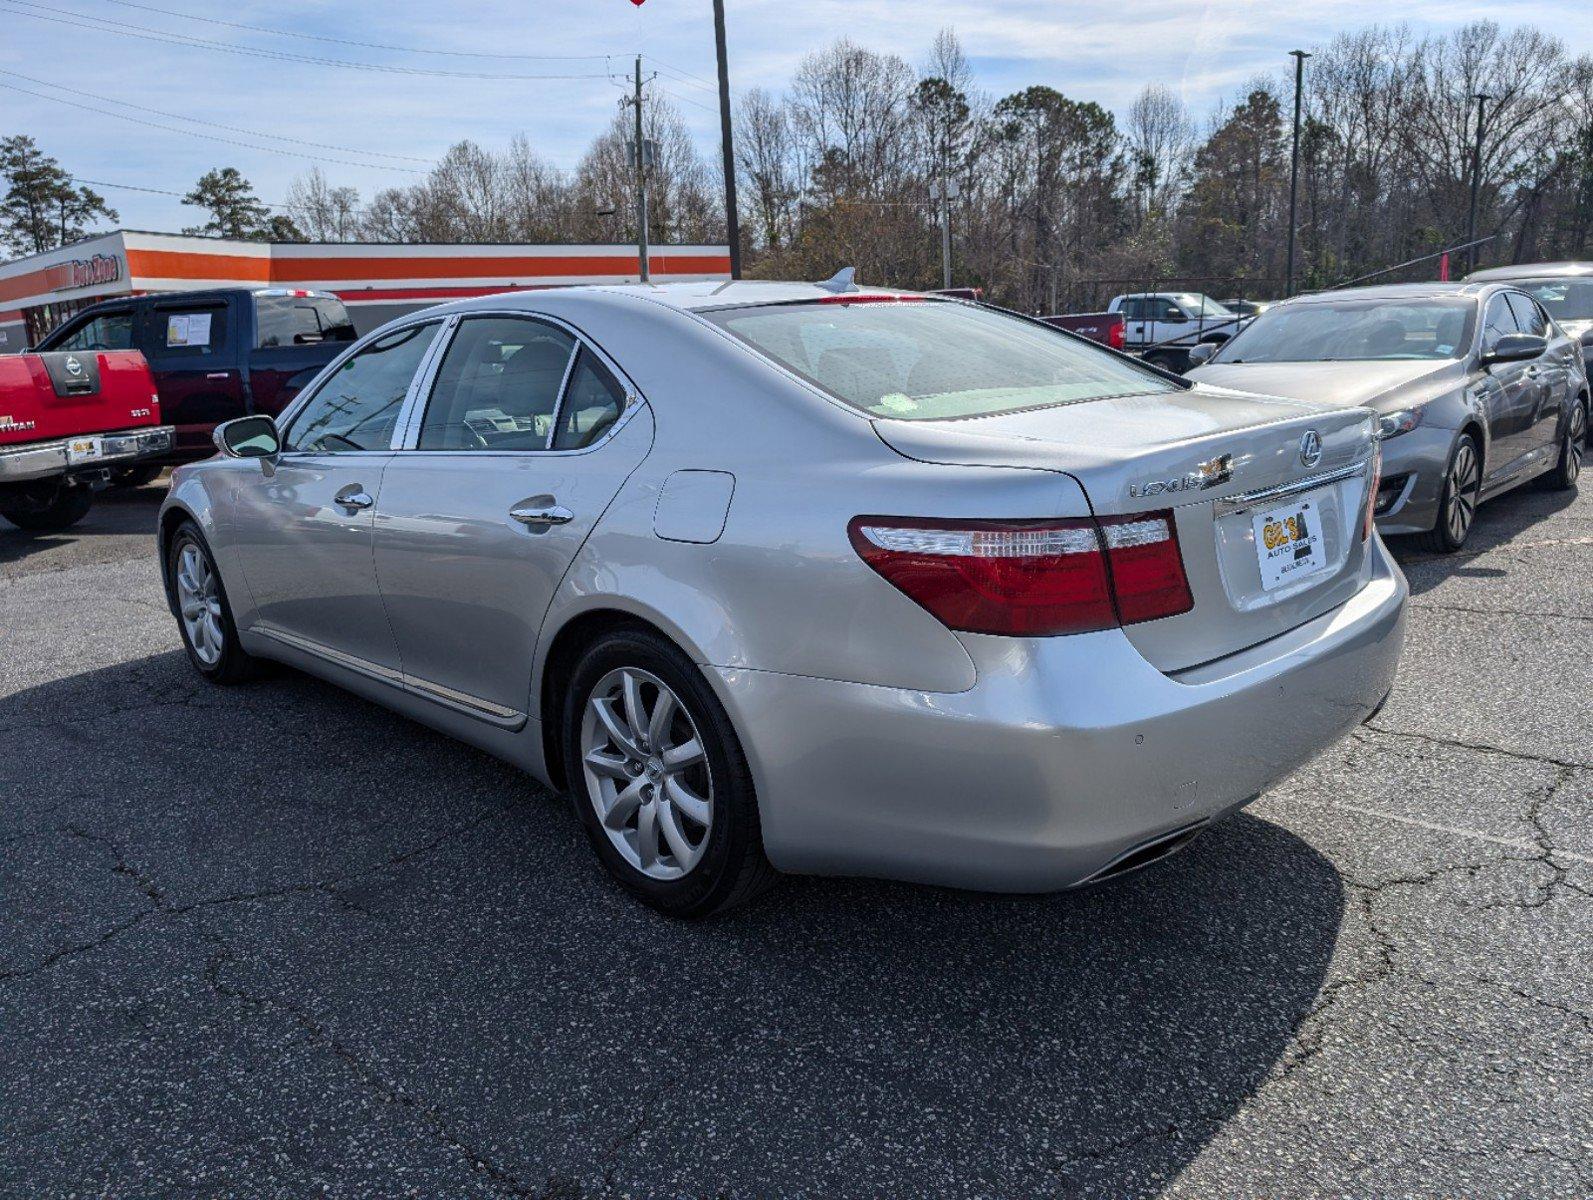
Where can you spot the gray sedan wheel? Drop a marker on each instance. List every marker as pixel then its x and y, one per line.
pixel 1457 505
pixel 1573 444
pixel 203 617
pixel 659 779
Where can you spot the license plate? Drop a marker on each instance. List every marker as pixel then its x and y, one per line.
pixel 84 449
pixel 1289 541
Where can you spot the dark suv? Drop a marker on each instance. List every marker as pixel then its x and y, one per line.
pixel 218 354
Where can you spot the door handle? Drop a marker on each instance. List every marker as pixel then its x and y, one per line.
pixel 354 496
pixel 217 375
pixel 542 514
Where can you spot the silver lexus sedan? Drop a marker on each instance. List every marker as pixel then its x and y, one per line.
pixel 807 578
pixel 1476 388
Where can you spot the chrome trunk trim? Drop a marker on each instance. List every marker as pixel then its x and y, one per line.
pixel 1237 504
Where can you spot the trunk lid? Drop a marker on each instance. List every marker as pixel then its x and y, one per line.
pixel 1230 467
pixel 62 394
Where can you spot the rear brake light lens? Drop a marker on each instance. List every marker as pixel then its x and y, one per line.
pixel 1031 578
pixel 1147 567
pixel 1117 335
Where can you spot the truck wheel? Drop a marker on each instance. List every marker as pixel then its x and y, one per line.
pixel 65 508
pixel 135 477
pixel 204 618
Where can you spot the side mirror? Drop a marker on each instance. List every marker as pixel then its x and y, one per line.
pixel 1515 347
pixel 1587 338
pixel 1200 353
pixel 248 437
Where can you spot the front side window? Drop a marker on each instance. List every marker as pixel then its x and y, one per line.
pixel 296 319
pixel 933 360
pixel 1354 330
pixel 108 331
pixel 1499 320
pixel 357 407
pixel 498 386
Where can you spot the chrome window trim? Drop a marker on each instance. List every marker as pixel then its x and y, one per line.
pixel 634 400
pixel 1229 505
pixel 564 391
pixel 473 706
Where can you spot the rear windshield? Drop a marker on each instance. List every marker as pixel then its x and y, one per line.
pixel 1353 330
pixel 1566 299
pixel 289 320
pixel 933 360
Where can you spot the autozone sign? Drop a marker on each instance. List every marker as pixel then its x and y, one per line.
pixel 85 272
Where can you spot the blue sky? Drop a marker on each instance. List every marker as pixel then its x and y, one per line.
pixel 1086 48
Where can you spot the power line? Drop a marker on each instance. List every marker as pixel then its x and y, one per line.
pixel 207 136
pixel 688 100
pixel 681 76
pixel 337 41
pixel 21 8
pixel 214 124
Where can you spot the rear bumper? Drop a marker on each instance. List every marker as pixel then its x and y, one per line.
pixel 42 460
pixel 1067 755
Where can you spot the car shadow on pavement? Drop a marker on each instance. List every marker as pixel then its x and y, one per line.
pixel 1520 514
pixel 432 926
pixel 117 512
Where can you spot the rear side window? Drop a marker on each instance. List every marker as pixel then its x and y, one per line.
pixel 1529 316
pixel 933 360
pixel 592 404
pixel 108 331
pixel 288 319
pixel 187 331
pixel 357 407
pixel 498 386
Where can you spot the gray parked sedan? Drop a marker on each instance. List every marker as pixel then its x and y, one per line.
pixel 795 577
pixel 1476 389
pixel 1565 289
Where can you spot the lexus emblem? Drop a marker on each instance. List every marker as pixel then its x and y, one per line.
pixel 73 367
pixel 1311 448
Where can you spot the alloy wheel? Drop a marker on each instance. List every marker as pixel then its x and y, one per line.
pixel 1464 477
pixel 646 774
pixel 199 601
pixel 1577 443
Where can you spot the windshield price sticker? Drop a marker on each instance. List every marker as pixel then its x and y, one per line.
pixel 1289 542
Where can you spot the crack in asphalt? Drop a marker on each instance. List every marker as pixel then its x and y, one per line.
pixel 160 907
pixel 1502 612
pixel 322 1035
pixel 1482 747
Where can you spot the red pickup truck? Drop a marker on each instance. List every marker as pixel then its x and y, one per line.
pixel 67 420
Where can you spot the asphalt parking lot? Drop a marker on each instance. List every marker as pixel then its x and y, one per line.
pixel 273 940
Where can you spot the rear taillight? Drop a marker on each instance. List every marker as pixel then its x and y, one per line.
pixel 1031 578
pixel 1373 483
pixel 1117 335
pixel 1147 567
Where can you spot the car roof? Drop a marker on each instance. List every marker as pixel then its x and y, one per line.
pixel 685 297
pixel 1533 271
pixel 1430 290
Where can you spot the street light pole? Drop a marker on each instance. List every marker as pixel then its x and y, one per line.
pixel 1299 57
pixel 1481 98
pixel 732 214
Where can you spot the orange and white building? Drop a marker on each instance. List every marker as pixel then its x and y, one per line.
pixel 376 281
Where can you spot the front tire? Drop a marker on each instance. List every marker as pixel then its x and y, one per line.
pixel 64 509
pixel 1563 476
pixel 1457 504
pixel 204 618
pixel 659 780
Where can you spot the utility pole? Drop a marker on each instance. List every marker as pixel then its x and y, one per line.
pixel 1481 98
pixel 641 181
pixel 1299 57
pixel 732 213
pixel 943 192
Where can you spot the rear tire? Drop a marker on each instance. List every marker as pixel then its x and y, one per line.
pixel 1457 504
pixel 1563 476
pixel 204 617
pixel 66 508
pixel 659 780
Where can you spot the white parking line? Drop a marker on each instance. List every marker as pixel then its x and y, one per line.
pixel 1531 847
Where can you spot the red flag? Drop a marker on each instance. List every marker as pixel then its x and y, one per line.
pixel 1443 268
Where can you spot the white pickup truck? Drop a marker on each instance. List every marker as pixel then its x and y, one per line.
pixel 1164 325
